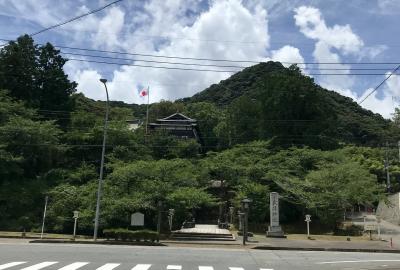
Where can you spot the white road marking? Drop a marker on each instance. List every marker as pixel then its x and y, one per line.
pixel 236 268
pixel 359 261
pixel 11 264
pixel 39 266
pixel 206 268
pixel 174 267
pixel 108 266
pixel 141 267
pixel 266 269
pixel 74 266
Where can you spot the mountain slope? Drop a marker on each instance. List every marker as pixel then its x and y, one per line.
pixel 284 94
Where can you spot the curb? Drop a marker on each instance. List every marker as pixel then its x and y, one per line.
pixel 369 250
pixel 222 243
pixel 97 243
pixel 19 237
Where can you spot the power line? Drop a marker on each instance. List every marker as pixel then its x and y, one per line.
pixel 157 67
pixel 75 18
pixel 152 61
pixel 216 70
pixel 67 21
pixel 213 59
pixel 379 85
pixel 208 65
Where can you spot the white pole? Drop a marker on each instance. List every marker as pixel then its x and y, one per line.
pixel 147 110
pixel 44 215
pixel 75 227
pixel 379 231
pixel 308 228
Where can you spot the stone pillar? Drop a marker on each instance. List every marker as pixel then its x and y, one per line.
pixel 274 229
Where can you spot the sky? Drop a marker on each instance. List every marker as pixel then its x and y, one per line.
pixel 308 32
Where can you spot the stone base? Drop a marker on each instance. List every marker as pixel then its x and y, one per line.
pixel 276 232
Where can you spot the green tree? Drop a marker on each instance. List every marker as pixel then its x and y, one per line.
pixel 208 117
pixel 244 120
pixel 259 195
pixel 163 109
pixel 35 74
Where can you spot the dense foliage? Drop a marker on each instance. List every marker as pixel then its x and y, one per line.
pixel 265 129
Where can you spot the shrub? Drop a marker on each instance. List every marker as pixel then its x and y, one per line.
pixel 145 235
pixel 124 235
pixel 110 233
pixel 352 230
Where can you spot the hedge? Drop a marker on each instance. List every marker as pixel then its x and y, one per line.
pixel 352 230
pixel 124 235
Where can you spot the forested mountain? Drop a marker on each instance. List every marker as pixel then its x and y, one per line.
pixel 267 128
pixel 274 96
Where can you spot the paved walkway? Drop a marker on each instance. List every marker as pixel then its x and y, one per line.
pixel 276 243
pixel 388 230
pixel 205 228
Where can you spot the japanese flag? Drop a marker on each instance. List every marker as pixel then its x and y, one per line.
pixel 144 92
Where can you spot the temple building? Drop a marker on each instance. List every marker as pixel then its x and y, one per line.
pixel 178 125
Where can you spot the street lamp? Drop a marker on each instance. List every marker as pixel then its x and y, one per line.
pixel 245 205
pixel 96 220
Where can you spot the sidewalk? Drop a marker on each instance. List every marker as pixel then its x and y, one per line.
pixel 257 242
pixel 321 245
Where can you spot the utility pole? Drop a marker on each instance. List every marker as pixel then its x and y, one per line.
pixel 44 215
pixel 96 220
pixel 387 167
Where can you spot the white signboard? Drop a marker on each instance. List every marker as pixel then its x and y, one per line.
pixel 137 219
pixel 370 227
pixel 274 209
pixel 76 214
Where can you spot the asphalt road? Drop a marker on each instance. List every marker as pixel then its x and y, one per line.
pixel 15 256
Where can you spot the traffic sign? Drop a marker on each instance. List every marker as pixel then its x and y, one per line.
pixel 370 227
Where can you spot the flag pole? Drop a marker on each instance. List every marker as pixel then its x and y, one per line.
pixel 147 110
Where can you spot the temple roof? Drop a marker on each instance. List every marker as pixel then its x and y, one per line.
pixel 177 117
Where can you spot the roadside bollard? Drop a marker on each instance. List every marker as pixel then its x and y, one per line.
pixel 391 242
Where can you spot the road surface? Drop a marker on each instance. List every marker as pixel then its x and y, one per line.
pixel 15 256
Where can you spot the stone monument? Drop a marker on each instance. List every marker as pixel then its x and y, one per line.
pixel 137 219
pixel 274 229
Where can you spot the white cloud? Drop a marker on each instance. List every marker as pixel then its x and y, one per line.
pixel 389 6
pixel 384 105
pixel 89 84
pixel 226 20
pixel 109 29
pixel 312 25
pixel 393 85
pixel 287 54
pixel 341 38
pixel 36 11
pixel 345 42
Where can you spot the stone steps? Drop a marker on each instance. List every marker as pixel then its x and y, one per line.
pixel 193 236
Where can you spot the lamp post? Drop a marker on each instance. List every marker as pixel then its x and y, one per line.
pixel 245 206
pixel 96 220
pixel 75 217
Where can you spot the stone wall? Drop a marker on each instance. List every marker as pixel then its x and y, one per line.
pixel 390 210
